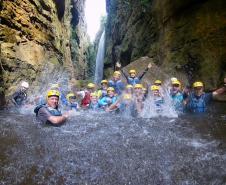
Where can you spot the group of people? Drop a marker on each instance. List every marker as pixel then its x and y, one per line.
pixel 115 95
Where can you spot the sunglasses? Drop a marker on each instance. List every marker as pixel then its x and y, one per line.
pixel 176 85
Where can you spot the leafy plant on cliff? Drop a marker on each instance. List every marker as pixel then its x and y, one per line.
pixel 145 2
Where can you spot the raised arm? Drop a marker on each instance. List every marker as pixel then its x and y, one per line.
pixel 221 90
pixel 118 65
pixel 145 71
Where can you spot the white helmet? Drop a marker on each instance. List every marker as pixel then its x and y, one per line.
pixel 25 84
pixel 173 79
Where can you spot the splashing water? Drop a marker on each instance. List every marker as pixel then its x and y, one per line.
pixel 167 108
pixel 111 149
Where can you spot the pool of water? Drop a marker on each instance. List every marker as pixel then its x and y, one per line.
pixel 101 148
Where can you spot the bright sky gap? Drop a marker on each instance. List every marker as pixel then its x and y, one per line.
pixel 94 9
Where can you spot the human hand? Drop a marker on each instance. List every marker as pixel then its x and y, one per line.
pixel 149 65
pixel 67 114
pixel 118 65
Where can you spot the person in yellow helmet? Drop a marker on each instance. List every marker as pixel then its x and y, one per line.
pixel 124 101
pixel 138 98
pixel 176 94
pixel 117 83
pixel 57 86
pixel 103 90
pixel 108 100
pixel 132 78
pixel 94 103
pixel 197 101
pixel 72 104
pixel 157 97
pixel 158 82
pixel 49 113
pixel 85 94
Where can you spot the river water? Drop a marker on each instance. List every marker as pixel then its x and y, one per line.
pixel 112 149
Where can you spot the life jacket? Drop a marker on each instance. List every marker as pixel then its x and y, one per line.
pixel 133 81
pixel 107 101
pixel 117 85
pixel 86 100
pixel 94 106
pixel 21 96
pixel 178 101
pixel 197 104
pixel 52 111
pixel 73 106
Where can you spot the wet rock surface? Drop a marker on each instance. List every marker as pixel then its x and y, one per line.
pixel 182 37
pixel 35 36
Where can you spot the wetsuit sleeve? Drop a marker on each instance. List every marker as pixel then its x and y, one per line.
pixel 43 115
pixel 142 75
pixel 14 96
pixel 208 97
pixel 124 74
pixel 102 102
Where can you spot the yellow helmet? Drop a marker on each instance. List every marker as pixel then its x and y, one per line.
pixel 70 95
pixel 144 89
pixel 104 81
pixel 138 86
pixel 198 84
pixel 176 82
pixel 54 86
pixel 53 93
pixel 127 96
pixel 129 86
pixel 155 88
pixel 90 85
pixel 117 73
pixel 158 82
pixel 132 71
pixel 110 89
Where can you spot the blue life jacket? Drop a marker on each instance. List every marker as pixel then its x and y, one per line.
pixel 178 101
pixel 197 104
pixel 158 101
pixel 118 86
pixel 94 107
pixel 133 81
pixel 106 101
pixel 73 106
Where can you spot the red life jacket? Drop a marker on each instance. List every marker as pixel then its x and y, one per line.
pixel 86 100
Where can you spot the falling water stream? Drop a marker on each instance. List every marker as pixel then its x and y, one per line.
pixel 103 148
pixel 100 59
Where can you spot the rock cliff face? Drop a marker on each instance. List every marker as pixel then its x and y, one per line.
pixel 35 36
pixel 185 38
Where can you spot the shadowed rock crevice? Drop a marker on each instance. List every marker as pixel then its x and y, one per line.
pixel 60 5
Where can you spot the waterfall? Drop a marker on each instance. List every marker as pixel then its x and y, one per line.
pixel 100 59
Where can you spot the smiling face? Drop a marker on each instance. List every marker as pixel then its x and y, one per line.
pixel 175 88
pixel 104 86
pixel 53 101
pixel 132 75
pixel 111 93
pixel 156 93
pixel 198 91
